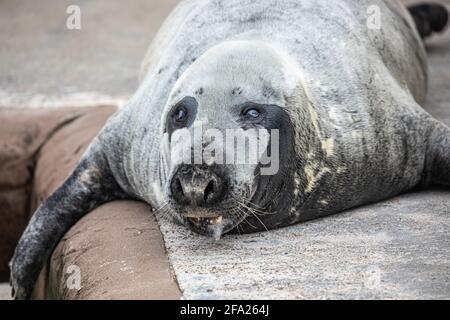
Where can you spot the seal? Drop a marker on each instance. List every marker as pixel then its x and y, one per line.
pixel 332 102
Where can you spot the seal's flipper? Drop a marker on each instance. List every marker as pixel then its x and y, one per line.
pixel 429 18
pixel 90 185
pixel 437 166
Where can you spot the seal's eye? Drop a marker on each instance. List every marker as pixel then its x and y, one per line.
pixel 251 113
pixel 180 115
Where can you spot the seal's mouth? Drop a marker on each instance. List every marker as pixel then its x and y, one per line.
pixel 211 226
pixel 205 221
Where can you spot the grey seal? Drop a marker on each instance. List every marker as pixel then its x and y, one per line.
pixel 344 94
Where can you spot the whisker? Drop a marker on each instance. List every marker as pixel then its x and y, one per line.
pixel 260 221
pixel 244 216
pixel 254 210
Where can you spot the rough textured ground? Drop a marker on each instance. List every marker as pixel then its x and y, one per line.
pixel 5 292
pixel 43 62
pixel 396 249
pixel 399 249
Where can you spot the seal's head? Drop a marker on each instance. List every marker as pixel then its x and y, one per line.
pixel 228 149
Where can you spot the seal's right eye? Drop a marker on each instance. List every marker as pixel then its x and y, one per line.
pixel 252 113
pixel 180 115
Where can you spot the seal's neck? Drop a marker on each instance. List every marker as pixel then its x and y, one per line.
pixel 312 149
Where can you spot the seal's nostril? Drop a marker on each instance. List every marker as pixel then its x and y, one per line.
pixel 179 187
pixel 177 190
pixel 197 186
pixel 209 191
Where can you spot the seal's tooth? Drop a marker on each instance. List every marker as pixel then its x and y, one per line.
pixel 217 232
pixel 217 220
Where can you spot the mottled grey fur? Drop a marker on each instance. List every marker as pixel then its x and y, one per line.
pixel 352 93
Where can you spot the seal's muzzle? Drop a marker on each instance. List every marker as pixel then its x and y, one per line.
pixel 198 186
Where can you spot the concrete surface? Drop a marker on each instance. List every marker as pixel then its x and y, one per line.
pixel 43 62
pixel 5 291
pixel 396 249
pixel 399 249
pixel 438 99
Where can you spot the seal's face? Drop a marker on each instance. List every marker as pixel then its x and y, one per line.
pixel 228 141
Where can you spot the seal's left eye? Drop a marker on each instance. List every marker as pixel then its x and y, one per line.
pixel 252 113
pixel 180 115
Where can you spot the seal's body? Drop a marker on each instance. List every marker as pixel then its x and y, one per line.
pixel 343 91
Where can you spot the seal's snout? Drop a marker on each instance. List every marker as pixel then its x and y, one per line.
pixel 198 186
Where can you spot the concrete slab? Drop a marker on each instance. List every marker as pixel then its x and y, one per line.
pixel 438 99
pixel 398 249
pixel 42 62
pixel 5 291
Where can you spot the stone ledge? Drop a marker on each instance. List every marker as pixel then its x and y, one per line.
pixel 118 247
pixel 22 134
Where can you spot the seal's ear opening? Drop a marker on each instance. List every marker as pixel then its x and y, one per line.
pixel 90 185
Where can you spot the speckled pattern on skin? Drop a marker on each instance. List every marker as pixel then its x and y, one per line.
pixel 352 93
